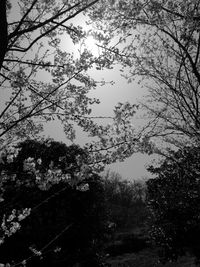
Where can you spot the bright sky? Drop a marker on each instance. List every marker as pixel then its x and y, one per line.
pixel 132 168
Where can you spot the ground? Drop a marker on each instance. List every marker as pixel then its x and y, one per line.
pixel 146 258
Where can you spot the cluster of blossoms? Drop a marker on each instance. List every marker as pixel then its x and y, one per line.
pixel 11 224
pixel 54 175
pixel 51 177
pixel 29 165
pixel 8 154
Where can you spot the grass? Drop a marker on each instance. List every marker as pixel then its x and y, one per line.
pixel 146 258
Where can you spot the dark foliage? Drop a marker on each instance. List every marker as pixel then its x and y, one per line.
pixel 67 225
pixel 174 201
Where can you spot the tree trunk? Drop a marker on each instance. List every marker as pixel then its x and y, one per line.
pixel 3 31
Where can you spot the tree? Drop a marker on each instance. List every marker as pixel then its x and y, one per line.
pixel 125 201
pixel 52 207
pixel 173 198
pixel 162 45
pixel 31 50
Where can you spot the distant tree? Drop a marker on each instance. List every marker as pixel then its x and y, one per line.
pixel 174 201
pixel 52 207
pixel 125 200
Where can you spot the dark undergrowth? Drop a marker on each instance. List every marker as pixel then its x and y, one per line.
pixel 134 249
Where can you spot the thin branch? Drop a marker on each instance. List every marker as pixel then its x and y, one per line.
pixel 194 68
pixel 53 28
pixel 10 103
pixel 31 113
pixel 195 18
pixel 33 28
pixel 5 78
pixel 44 97
pixel 33 63
pixel 22 20
pixel 66 27
pixel 56 237
pixel 198 50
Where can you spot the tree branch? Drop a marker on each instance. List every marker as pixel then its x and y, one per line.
pixel 33 63
pixel 35 27
pixel 53 28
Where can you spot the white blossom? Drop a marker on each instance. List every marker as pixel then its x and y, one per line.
pixel 39 161
pixel 25 212
pixel 29 165
pixel 83 187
